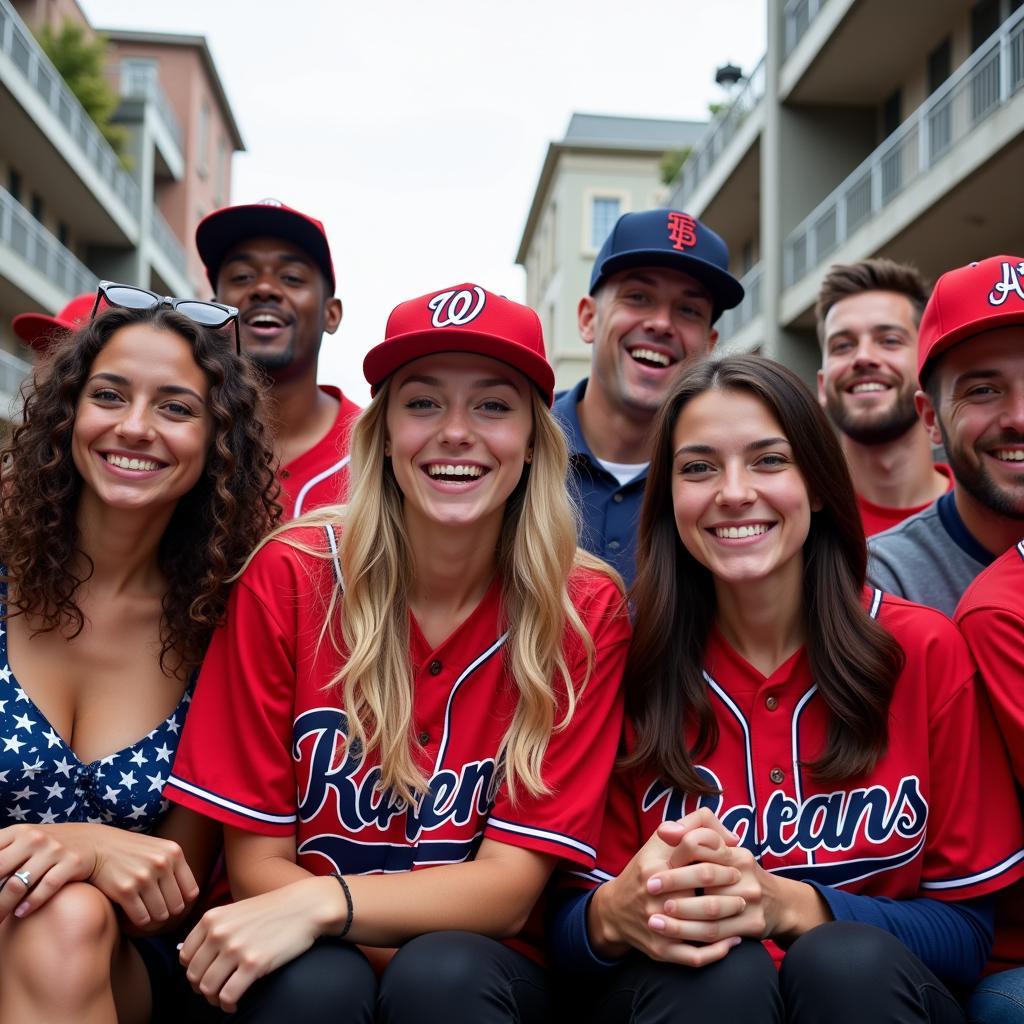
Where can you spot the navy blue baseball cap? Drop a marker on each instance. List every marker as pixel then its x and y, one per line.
pixel 672 239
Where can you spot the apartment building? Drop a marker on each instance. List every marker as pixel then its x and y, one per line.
pixel 868 128
pixel 71 212
pixel 605 166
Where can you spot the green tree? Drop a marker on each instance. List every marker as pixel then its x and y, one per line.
pixel 81 62
pixel 671 163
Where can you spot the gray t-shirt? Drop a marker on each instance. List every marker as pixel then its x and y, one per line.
pixel 929 558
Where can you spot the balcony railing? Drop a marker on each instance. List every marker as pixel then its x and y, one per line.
pixel 985 82
pixel 12 372
pixel 20 231
pixel 146 87
pixel 167 241
pixel 798 15
pixel 734 320
pixel 17 43
pixel 719 134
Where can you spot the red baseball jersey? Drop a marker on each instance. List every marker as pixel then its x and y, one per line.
pixel 265 745
pixel 991 617
pixel 878 518
pixel 319 476
pixel 937 817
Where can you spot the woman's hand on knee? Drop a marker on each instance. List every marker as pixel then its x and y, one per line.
pixel 234 945
pixel 37 861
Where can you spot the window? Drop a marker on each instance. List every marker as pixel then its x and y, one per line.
pixel 37 207
pixel 984 21
pixel 62 233
pixel 203 161
pixel 138 76
pixel 604 212
pixel 14 185
pixel 220 182
pixel 940 64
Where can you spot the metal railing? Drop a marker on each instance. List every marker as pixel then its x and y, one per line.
pixel 167 241
pixel 17 43
pixel 797 16
pixel 986 81
pixel 720 132
pixel 21 232
pixel 734 320
pixel 12 372
pixel 145 87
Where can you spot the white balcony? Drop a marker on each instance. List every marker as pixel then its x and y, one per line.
pixel 35 261
pixel 797 16
pixel 139 88
pixel 974 115
pixel 56 132
pixel 167 256
pixel 715 156
pixel 13 372
pixel 734 321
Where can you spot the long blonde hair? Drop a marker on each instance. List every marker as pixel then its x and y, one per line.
pixel 536 554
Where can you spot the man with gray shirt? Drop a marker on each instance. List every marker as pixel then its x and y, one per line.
pixel 971 370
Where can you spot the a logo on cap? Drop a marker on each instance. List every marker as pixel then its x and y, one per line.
pixel 682 230
pixel 454 308
pixel 1013 281
pixel 270 202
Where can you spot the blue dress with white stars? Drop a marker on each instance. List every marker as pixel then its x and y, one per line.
pixel 43 782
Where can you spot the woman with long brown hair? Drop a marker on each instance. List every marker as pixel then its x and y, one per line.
pixel 133 488
pixel 805 757
pixel 412 710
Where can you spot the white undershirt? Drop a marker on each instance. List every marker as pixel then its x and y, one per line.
pixel 624 471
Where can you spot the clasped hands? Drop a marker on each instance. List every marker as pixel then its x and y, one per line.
pixel 688 896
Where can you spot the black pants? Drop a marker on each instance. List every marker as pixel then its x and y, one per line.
pixel 443 977
pixel 839 973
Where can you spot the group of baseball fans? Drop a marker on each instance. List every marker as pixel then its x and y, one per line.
pixel 681 695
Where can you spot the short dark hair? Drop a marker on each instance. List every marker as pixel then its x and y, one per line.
pixel 874 275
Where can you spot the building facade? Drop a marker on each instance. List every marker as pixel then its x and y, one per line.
pixel 71 212
pixel 604 167
pixel 868 128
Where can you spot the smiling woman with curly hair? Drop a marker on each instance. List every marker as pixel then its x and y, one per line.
pixel 137 483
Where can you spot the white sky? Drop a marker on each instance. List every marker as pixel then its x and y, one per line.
pixel 416 130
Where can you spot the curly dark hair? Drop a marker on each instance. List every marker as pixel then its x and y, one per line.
pixel 213 528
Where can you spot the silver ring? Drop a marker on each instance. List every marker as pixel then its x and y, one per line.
pixel 25 877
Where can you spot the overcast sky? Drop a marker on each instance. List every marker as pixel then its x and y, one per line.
pixel 416 130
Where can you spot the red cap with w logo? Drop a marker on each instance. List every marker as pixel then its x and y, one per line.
pixel 462 318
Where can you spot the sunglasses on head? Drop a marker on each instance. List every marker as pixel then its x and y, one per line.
pixel 128 296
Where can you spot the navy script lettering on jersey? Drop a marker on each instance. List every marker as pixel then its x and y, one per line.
pixel 892 821
pixel 461 796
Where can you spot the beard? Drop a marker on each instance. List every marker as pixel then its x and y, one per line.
pixel 878 428
pixel 972 475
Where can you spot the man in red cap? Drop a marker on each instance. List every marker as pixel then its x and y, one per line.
pixel 38 330
pixel 971 370
pixel 273 262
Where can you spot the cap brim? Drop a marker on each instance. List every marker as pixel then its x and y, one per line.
pixel 726 291
pixel 223 229
pixel 1004 318
pixel 38 329
pixel 382 360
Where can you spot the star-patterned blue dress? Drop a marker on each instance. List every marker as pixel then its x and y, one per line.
pixel 43 782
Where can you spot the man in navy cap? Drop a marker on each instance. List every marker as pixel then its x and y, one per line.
pixel 274 264
pixel 659 283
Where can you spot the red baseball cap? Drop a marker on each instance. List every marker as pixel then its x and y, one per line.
pixel 39 329
pixel 967 301
pixel 462 318
pixel 222 230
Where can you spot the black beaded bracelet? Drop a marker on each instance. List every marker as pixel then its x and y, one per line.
pixel 348 903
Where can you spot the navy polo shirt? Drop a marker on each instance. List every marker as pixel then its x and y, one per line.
pixel 610 511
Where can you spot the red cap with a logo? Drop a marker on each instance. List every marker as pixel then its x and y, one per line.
pixel 463 318
pixel 39 329
pixel 222 230
pixel 967 301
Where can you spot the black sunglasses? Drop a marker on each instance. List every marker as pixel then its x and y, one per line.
pixel 128 296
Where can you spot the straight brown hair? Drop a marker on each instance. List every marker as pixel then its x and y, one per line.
pixel 854 661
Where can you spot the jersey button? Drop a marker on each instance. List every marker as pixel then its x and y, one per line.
pixel 776 775
pixel 617 498
pixel 771 703
pixel 613 545
pixel 435 667
pixel 424 738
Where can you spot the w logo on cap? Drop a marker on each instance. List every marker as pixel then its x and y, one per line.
pixel 455 308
